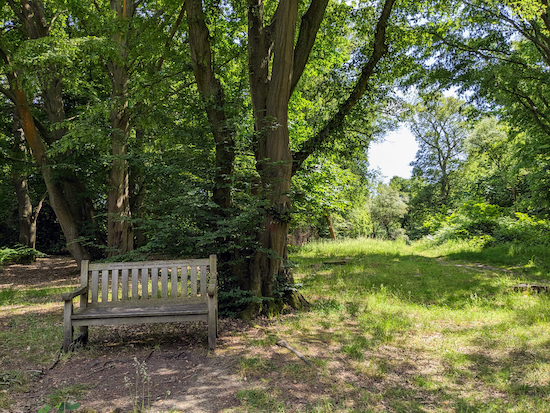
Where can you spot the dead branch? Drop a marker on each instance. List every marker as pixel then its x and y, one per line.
pixel 284 344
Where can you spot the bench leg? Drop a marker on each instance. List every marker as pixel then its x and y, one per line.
pixel 67 325
pixel 212 324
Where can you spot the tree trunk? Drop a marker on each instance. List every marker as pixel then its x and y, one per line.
pixel 270 97
pixel 329 223
pixel 55 192
pixel 68 186
pixel 273 46
pixel 138 182
pixel 213 98
pixel 27 231
pixel 120 237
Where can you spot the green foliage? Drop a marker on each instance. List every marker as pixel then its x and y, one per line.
pixel 497 52
pixel 486 223
pixel 387 208
pixel 139 388
pixel 334 187
pixel 60 408
pixel 19 254
pixel 355 222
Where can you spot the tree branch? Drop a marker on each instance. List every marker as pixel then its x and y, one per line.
pixel 334 124
pixel 39 207
pixel 53 20
pixel 171 35
pixel 311 22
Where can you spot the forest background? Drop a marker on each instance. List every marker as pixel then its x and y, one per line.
pixel 162 128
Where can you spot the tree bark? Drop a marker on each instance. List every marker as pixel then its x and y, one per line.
pixel 32 15
pixel 270 97
pixel 276 61
pixel 329 223
pixel 213 98
pixel 120 237
pixel 27 232
pixel 55 192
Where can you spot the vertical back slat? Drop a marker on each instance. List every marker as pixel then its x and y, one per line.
pixel 124 284
pixel 164 282
pixel 104 286
pixel 154 282
pixel 84 274
pixel 135 283
pixel 114 283
pixel 174 279
pixel 203 281
pixel 95 286
pixel 144 283
pixel 184 278
pixel 193 281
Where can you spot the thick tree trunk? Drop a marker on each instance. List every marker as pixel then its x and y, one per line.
pixel 120 237
pixel 55 192
pixel 73 191
pixel 27 228
pixel 276 58
pixel 138 182
pixel 270 97
pixel 213 98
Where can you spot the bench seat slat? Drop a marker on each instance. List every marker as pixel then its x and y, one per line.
pixel 114 321
pixel 164 282
pixel 154 282
pixel 105 286
pixel 144 283
pixel 95 286
pixel 148 311
pixel 193 281
pixel 135 284
pixel 125 284
pixel 114 283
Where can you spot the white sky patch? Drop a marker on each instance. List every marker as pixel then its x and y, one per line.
pixel 393 155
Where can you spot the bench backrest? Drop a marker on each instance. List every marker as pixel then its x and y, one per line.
pixel 115 282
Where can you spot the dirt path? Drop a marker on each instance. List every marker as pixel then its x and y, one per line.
pixel 182 375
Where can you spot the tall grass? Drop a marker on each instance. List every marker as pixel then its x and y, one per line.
pixel 416 328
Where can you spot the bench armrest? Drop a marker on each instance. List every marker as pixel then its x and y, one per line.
pixel 211 290
pixel 83 289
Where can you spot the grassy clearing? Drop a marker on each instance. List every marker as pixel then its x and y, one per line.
pixel 411 329
pixel 391 328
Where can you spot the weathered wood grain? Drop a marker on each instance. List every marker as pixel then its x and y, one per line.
pixel 178 301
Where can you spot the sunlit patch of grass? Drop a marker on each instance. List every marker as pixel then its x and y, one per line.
pixel 260 400
pixel 254 366
pixel 12 296
pixel 34 338
pixel 66 393
pixel 455 331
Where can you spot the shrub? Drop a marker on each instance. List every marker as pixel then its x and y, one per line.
pixel 481 221
pixel 18 254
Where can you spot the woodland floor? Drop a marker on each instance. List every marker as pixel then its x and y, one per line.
pixel 389 330
pixel 184 376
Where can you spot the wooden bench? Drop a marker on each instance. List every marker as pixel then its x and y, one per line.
pixel 143 292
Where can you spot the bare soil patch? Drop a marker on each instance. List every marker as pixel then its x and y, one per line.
pixel 183 375
pixel 44 272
